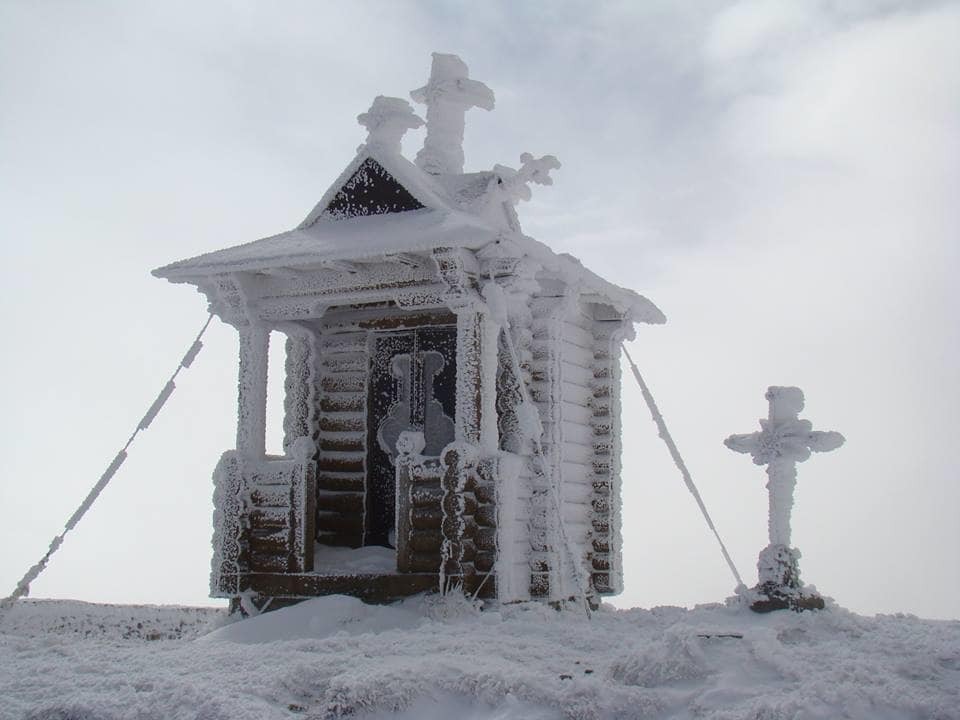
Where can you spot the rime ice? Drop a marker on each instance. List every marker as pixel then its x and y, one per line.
pixel 452 393
pixel 783 441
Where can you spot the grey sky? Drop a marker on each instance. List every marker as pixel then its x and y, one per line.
pixel 779 177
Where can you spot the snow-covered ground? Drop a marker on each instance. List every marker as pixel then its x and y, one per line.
pixel 431 658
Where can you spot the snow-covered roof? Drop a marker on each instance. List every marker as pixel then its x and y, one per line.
pixel 351 239
pixel 405 209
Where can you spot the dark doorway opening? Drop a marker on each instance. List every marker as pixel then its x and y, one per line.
pixel 413 382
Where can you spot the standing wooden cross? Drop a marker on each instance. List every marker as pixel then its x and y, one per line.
pixel 783 441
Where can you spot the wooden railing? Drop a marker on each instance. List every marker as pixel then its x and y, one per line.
pixel 446 516
pixel 263 517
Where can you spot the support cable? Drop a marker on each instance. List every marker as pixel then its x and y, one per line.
pixel 678 460
pixel 23 587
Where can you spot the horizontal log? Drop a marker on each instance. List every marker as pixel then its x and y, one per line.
pixel 270 496
pixel 268 562
pixel 271 542
pixel 424 562
pixel 342 402
pixel 577 453
pixel 343 342
pixel 576 493
pixel 600 545
pixel 336 364
pixel 600 505
pixel 484 561
pixel 408 320
pixel 343 383
pixel 340 463
pixel 340 502
pixel 602 466
pixel 426 496
pixel 334 423
pixel 268 518
pixel 369 588
pixel 425 518
pixel 539 585
pixel 485 493
pixel 425 541
pixel 601 582
pixel 601 388
pixel 577 335
pixel 570 432
pixel 485 539
pixel 352 482
pixel 337 522
pixel 601 485
pixel 342 442
pixel 577 355
pixel 486 516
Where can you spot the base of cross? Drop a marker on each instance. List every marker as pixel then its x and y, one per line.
pixel 780 587
pixel 770 599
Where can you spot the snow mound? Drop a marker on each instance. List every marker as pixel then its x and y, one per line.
pixel 438 658
pixel 321 618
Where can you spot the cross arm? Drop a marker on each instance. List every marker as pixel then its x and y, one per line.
pixel 819 441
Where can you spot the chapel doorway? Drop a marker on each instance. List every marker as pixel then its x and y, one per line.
pixel 413 380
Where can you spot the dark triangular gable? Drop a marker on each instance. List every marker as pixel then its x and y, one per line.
pixel 371 190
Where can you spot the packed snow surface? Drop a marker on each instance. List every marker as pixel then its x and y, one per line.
pixel 431 658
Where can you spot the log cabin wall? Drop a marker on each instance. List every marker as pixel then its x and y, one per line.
pixel 545 543
pixel 578 440
pixel 575 383
pixel 343 370
pixel 606 558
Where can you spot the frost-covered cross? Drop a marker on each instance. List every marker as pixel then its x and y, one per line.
pixel 448 94
pixel 386 122
pixel 783 441
pixel 514 184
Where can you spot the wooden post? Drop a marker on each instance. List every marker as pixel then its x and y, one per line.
pixel 469 375
pixel 252 391
pixel 300 388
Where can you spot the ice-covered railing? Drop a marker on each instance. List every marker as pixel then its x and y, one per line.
pixel 263 516
pixel 446 515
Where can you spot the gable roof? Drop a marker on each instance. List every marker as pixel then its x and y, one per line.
pixel 353 238
pixel 396 170
pixel 383 204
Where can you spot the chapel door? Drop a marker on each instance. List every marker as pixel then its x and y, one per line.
pixel 413 379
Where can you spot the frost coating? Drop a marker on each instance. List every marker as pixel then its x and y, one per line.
pixel 783 441
pixel 514 184
pixel 448 95
pixel 386 122
pixel 393 248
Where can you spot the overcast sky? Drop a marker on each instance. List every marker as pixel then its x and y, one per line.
pixel 781 178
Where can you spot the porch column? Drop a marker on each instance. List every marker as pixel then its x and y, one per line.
pixel 252 391
pixel 300 388
pixel 476 421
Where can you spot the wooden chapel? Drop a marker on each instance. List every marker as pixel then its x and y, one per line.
pixel 452 385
